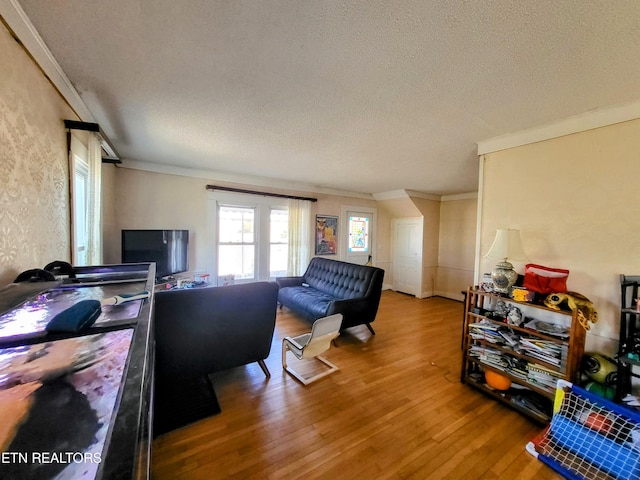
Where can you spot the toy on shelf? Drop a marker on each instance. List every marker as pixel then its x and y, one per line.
pixel 586 312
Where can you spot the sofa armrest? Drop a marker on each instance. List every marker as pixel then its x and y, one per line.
pixel 351 309
pixel 350 303
pixel 289 281
pixel 357 311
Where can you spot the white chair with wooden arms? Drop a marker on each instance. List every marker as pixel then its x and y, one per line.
pixel 311 345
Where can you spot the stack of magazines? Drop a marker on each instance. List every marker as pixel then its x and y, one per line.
pixel 487 331
pixel 542 377
pixel 547 351
pixel 490 356
pixel 500 361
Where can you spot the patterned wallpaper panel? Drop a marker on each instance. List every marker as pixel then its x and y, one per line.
pixel 34 191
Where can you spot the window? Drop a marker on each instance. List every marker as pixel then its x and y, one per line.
pixel 279 244
pixel 236 242
pixel 85 166
pixel 251 236
pixel 80 200
pixel 358 234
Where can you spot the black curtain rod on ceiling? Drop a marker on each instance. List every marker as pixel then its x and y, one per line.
pixel 265 194
pixel 112 155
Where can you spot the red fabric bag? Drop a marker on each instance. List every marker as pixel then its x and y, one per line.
pixel 545 280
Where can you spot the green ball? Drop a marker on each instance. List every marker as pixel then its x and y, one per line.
pixel 601 390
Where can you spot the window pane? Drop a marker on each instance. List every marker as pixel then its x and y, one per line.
pixel 279 226
pixel 358 234
pixel 80 231
pixel 237 260
pixel 278 260
pixel 80 214
pixel 279 239
pixel 236 225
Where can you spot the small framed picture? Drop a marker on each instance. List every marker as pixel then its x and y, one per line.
pixel 326 235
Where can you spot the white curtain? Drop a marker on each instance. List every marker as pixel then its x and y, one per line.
pixel 94 202
pixel 299 236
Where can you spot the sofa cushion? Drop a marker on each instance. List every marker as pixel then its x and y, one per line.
pixel 314 302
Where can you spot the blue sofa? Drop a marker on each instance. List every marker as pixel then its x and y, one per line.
pixel 330 286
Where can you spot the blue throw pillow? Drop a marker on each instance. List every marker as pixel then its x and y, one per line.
pixel 75 318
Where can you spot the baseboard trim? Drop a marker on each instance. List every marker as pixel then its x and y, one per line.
pixel 450 295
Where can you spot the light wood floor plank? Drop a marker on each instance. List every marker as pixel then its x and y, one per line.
pixel 395 410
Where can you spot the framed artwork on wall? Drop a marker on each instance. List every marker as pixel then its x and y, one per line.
pixel 326 235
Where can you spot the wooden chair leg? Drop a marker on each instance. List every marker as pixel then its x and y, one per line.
pixel 307 380
pixel 264 368
pixel 285 347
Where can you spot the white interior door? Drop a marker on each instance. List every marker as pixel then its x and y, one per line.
pixel 407 255
pixel 358 235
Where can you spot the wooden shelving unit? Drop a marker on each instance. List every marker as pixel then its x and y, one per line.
pixel 484 348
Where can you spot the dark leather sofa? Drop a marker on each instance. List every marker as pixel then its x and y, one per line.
pixel 200 331
pixel 204 330
pixel 331 286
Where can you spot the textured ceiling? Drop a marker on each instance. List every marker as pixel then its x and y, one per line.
pixel 366 96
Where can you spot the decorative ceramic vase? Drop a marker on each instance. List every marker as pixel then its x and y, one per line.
pixel 504 277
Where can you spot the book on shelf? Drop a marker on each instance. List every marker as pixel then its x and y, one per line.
pixel 482 336
pixel 542 376
pixel 545 358
pixel 536 367
pixel 510 337
pixel 485 325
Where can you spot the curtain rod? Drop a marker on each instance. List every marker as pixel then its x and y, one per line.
pixel 112 155
pixel 254 192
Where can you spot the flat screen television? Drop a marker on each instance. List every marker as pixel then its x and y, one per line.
pixel 169 249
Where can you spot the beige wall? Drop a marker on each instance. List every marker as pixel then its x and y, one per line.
pixel 449 239
pixel 573 198
pixel 383 245
pixel 34 196
pixel 430 211
pixel 456 252
pixel 161 201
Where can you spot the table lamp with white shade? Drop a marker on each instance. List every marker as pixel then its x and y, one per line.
pixel 506 246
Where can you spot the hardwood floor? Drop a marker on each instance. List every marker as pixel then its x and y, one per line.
pixel 395 410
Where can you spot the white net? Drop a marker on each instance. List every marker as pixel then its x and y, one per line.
pixel 590 438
